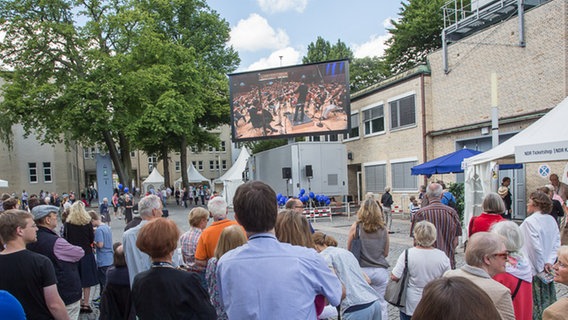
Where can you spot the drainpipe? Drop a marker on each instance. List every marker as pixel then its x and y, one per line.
pixel 423 112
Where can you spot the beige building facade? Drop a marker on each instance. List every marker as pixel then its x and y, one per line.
pixel 452 109
pixel 386 137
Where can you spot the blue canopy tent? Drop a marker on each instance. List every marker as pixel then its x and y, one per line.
pixel 451 163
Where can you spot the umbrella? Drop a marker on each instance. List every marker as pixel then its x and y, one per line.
pixel 450 163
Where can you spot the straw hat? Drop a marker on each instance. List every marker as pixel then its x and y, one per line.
pixel 503 191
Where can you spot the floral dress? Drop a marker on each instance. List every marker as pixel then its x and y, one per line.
pixel 213 288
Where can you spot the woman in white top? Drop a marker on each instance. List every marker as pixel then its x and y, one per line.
pixel 425 263
pixel 542 240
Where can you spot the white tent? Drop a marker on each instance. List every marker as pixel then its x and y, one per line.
pixel 154 181
pixel 544 140
pixel 3 184
pixel 233 178
pixel 192 175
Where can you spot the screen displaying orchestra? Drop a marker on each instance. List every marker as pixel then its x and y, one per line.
pixel 292 101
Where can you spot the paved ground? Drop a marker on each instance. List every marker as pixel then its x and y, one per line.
pixel 338 228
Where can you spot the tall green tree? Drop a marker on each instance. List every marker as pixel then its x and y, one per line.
pixel 185 58
pixel 322 50
pixel 416 34
pixel 96 82
pixel 365 72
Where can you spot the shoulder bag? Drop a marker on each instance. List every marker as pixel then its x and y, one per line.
pixel 395 293
pixel 356 244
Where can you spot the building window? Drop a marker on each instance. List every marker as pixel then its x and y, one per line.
pixel 211 165
pixel 224 164
pixel 223 146
pixel 193 149
pixel 177 166
pixel 403 112
pixel 211 149
pixel 132 154
pixel 374 120
pixel 152 162
pixel 200 165
pixel 32 167
pixel 47 172
pixel 332 137
pixel 375 178
pixel 315 138
pixel 402 180
pixel 86 153
pixel 354 132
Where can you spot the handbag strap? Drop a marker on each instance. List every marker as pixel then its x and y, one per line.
pixel 516 289
pixel 357 232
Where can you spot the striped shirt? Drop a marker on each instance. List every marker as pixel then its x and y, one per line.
pixel 447 223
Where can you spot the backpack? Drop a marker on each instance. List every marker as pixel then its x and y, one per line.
pixel 451 202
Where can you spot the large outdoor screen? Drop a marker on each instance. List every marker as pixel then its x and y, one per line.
pixel 304 100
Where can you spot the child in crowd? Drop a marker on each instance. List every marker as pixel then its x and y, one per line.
pixel 413 206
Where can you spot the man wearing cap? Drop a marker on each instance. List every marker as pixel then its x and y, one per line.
pixel 63 255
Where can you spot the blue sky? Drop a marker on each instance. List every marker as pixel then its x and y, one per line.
pixel 264 30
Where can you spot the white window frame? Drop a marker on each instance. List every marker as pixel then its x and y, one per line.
pixel 177 165
pixel 32 172
pixel 47 172
pixel 380 188
pixel 363 121
pixel 391 113
pixel 412 180
pixel 347 136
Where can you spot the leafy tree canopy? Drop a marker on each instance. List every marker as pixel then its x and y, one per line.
pixel 134 73
pixel 416 34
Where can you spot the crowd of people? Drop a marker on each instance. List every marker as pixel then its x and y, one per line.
pixel 271 264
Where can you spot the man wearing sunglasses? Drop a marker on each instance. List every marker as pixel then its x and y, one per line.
pixel 485 257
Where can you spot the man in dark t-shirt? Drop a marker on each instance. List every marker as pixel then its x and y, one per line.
pixel 28 276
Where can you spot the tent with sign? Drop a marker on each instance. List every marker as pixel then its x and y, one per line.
pixel 544 140
pixel 233 178
pixel 154 181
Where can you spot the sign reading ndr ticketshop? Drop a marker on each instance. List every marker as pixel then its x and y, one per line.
pixel 541 152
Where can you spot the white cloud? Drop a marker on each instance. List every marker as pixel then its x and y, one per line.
pixel 387 22
pixel 290 56
pixel 274 6
pixel 374 47
pixel 255 33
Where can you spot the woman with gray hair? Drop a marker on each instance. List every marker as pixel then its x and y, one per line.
pixel 493 208
pixel 517 276
pixel 425 263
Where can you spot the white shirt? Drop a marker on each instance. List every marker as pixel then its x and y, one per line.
pixel 542 240
pixel 424 265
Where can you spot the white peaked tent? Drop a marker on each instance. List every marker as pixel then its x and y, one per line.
pixel 544 140
pixel 233 178
pixel 3 184
pixel 192 175
pixel 154 181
